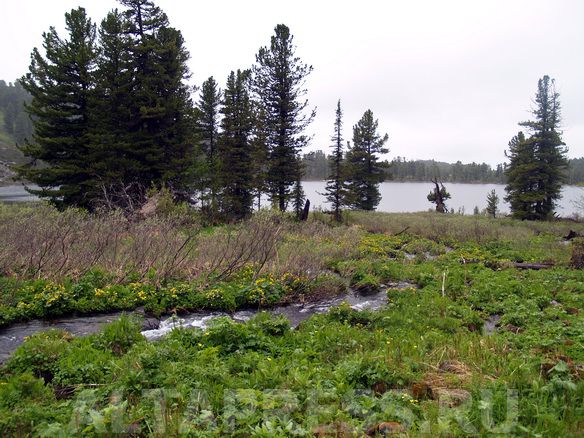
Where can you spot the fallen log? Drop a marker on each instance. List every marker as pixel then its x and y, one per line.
pixel 535 266
pixel 402 231
pixel 518 265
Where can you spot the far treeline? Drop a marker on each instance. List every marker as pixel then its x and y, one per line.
pixel 316 165
pixel 14 122
pixel 114 123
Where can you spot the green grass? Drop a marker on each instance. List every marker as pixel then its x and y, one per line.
pixel 422 362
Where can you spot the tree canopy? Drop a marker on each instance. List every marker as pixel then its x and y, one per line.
pixel 365 171
pixel 335 188
pixel 278 81
pixel 112 114
pixel 537 164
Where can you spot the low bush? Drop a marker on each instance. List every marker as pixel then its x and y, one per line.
pixel 40 353
pixel 119 336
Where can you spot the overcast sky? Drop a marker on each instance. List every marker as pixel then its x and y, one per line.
pixel 447 80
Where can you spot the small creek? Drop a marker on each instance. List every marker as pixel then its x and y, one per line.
pixel 11 337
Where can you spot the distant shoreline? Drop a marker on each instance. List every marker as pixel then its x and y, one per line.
pixel 417 181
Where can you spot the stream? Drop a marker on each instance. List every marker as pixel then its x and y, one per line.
pixel 11 337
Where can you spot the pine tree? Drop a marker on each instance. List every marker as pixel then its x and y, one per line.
pixel 522 181
pixel 492 203
pixel 117 167
pixel 114 120
pixel 160 111
pixel 335 188
pixel 298 195
pixel 235 149
pixel 208 123
pixel 279 86
pixel 365 172
pixel 537 165
pixel 61 84
pixel 259 145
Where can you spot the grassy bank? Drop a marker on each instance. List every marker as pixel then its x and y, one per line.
pixel 425 365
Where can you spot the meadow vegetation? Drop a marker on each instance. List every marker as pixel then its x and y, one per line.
pixel 477 347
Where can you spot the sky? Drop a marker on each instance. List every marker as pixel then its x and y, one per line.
pixel 447 80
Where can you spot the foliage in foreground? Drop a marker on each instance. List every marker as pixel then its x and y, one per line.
pixel 423 364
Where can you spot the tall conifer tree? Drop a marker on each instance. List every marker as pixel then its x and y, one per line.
pixel 537 164
pixel 61 84
pixel 335 188
pixel 365 172
pixel 522 186
pixel 235 149
pixel 161 110
pixel 279 77
pixel 117 166
pixel 208 122
pixel 260 152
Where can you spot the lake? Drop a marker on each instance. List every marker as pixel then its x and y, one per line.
pixel 15 193
pixel 395 196
pixel 407 197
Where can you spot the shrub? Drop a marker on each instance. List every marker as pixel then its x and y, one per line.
pixel 272 325
pixel 347 315
pixel 366 283
pixel 23 388
pixel 368 370
pixel 231 336
pixel 120 335
pixel 40 353
pixel 83 363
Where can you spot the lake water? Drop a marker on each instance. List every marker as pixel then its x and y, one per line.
pixel 15 193
pixel 407 197
pixel 395 196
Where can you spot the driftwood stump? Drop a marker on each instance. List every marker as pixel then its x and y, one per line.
pixel 305 210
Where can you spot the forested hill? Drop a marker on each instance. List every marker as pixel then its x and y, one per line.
pixel 15 124
pixel 401 169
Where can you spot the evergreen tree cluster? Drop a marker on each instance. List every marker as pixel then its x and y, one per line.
pixel 114 118
pixel 251 133
pixel 315 165
pixel 537 163
pixel 111 109
pixel 402 169
pixel 355 175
